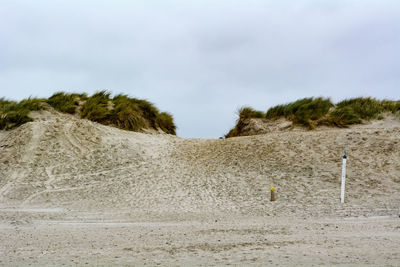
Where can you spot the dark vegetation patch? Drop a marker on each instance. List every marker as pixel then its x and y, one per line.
pixel 120 111
pixel 96 108
pixel 244 114
pixel 67 103
pixel 314 112
pixel 14 114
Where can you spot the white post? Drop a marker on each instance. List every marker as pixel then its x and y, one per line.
pixel 343 177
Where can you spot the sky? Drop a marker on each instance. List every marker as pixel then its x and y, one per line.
pixel 201 60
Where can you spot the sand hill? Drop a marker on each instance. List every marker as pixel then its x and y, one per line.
pixel 59 167
pixel 61 161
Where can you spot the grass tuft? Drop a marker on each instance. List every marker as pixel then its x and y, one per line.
pixel 342 117
pixel 312 112
pixel 14 114
pixel 365 108
pixel 120 111
pixel 67 103
pixel 96 108
pixel 244 114
pixel 135 114
pixel 127 114
pixel 306 111
pixel 166 122
pixel 248 112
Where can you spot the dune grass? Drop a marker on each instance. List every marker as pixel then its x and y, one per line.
pixel 96 108
pixel 313 112
pixel 342 117
pixel 248 112
pixel 133 114
pixel 67 103
pixel 127 114
pixel 166 122
pixel 14 114
pixel 120 111
pixel 244 113
pixel 301 110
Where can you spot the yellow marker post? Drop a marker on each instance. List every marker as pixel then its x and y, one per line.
pixel 272 189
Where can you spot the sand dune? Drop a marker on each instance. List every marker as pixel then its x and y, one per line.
pixel 66 162
pixel 63 169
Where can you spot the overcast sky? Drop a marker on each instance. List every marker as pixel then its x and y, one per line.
pixel 201 60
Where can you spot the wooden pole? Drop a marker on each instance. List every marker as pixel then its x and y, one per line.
pixel 272 193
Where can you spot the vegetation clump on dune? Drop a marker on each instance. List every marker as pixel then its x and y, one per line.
pixel 120 111
pixel 67 103
pixel 313 112
pixel 14 114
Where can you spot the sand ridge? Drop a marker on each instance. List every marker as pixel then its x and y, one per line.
pixel 178 197
pixel 67 162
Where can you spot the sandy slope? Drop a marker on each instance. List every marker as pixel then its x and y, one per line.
pixel 61 169
pixel 65 162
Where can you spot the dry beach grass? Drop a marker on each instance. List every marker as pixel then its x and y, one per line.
pixel 74 192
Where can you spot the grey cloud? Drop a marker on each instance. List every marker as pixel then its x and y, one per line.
pixel 201 60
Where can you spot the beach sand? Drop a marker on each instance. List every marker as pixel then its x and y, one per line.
pixel 77 192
